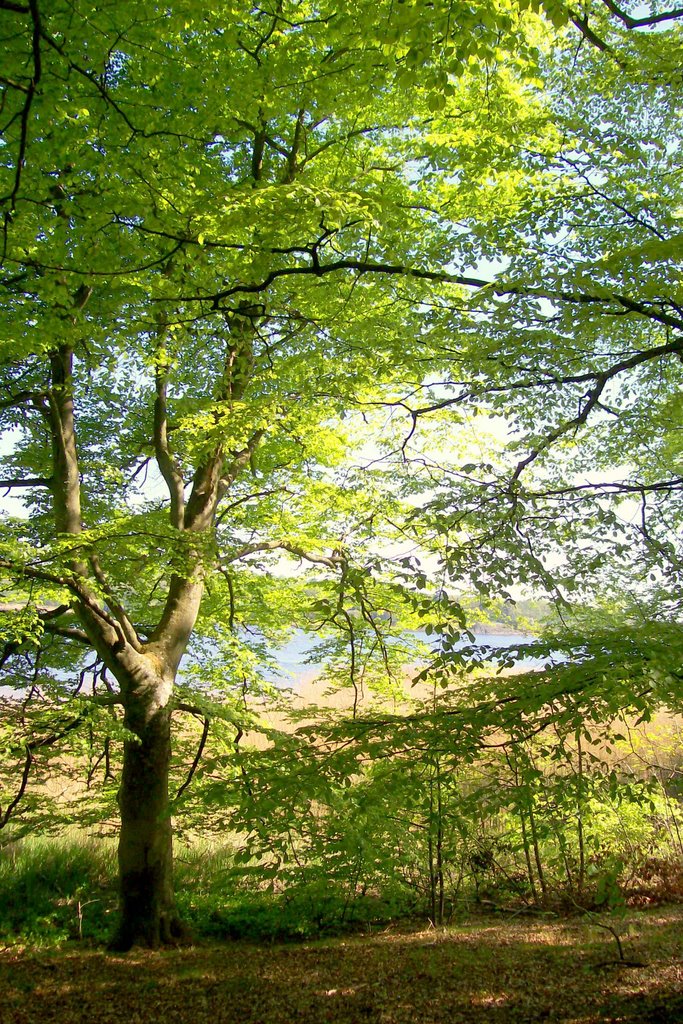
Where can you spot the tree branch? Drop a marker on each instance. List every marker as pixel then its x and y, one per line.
pixel 652 311
pixel 647 22
pixel 11 84
pixel 331 561
pixel 34 398
pixel 239 463
pixel 168 466
pixel 295 149
pixel 581 22
pixel 49 616
pixel 593 399
pixel 66 477
pixel 28 761
pixel 69 633
pixel 36 481
pixel 611 487
pixel 211 480
pixel 321 270
pixel 75 584
pixel 32 8
pixel 473 391
pixel 126 625
pixel 197 758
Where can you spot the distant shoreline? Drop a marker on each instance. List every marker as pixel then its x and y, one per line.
pixel 499 629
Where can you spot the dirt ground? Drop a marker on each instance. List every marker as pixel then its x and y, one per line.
pixel 487 970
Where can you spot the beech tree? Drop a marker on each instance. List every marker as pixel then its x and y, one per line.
pixel 222 232
pixel 212 247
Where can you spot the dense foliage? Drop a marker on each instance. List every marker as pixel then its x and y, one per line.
pixel 333 317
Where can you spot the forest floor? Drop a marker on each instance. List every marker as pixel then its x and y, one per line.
pixel 485 970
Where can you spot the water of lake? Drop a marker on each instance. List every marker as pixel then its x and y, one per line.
pixel 294 657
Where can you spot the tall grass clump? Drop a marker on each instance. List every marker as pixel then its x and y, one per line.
pixel 53 889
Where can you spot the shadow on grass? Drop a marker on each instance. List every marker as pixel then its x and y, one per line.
pixel 495 973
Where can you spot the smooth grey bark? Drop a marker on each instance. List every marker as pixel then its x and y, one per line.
pixel 147 905
pixel 148 915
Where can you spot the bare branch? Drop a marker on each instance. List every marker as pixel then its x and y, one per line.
pixel 36 481
pixel 646 22
pixel 331 561
pixel 197 758
pixel 28 761
pixel 168 466
pixel 115 605
pixel 30 93
pixel 592 399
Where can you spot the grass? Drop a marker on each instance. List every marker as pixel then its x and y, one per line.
pixel 57 889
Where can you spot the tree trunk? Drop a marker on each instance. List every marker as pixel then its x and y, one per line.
pixel 148 913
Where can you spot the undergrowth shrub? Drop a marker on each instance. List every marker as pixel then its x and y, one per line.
pixel 222 898
pixel 365 860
